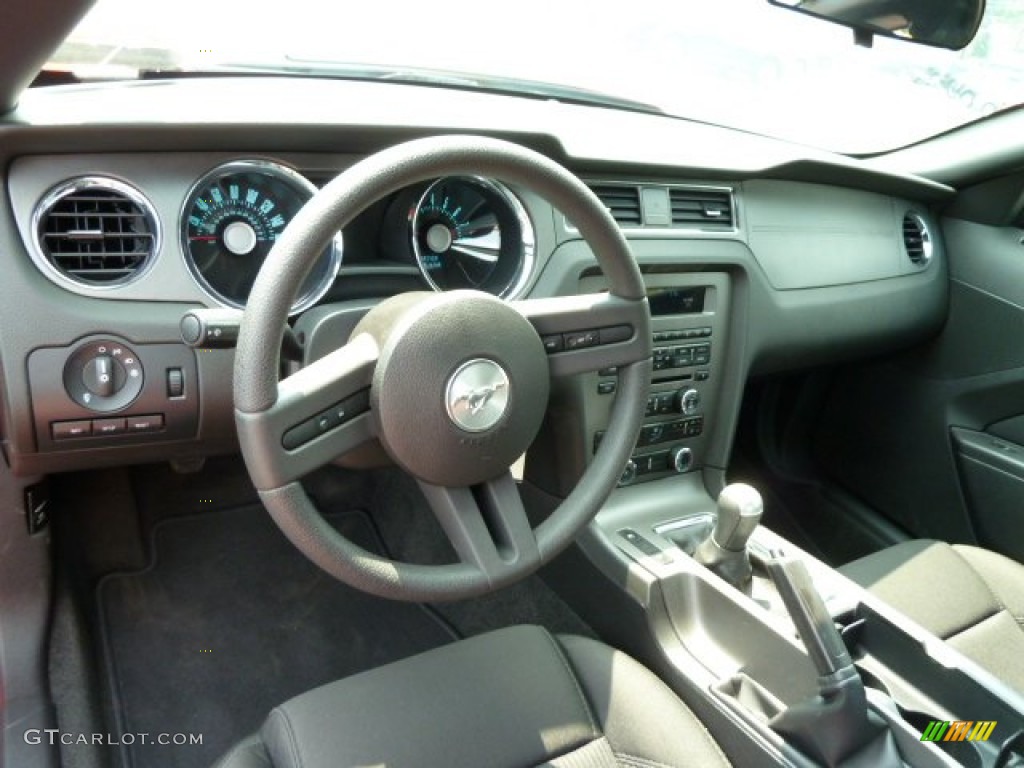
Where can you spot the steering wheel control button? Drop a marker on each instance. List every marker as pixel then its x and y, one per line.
pixel 64 430
pixel 553 343
pixel 581 339
pixel 103 376
pixel 593 337
pixel 477 395
pixel 326 420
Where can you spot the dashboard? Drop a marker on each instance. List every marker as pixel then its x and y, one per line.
pixel 758 257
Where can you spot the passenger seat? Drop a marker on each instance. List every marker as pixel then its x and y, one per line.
pixel 970 597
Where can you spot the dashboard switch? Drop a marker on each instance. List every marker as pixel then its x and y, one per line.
pixel 175 383
pixel 62 430
pixel 105 427
pixel 100 376
pixel 149 423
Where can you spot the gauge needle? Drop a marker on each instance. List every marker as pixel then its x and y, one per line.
pixel 485 247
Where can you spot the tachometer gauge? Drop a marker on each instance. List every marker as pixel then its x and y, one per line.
pixel 469 232
pixel 232 218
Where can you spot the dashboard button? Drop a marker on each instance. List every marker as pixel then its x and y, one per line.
pixel 105 427
pixel 605 387
pixel 62 430
pixel 150 423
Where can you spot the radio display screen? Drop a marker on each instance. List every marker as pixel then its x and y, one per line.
pixel 675 301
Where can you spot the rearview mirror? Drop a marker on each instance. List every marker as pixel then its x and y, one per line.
pixel 941 23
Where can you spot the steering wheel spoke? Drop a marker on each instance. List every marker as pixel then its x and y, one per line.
pixel 321 412
pixel 589 332
pixel 487 525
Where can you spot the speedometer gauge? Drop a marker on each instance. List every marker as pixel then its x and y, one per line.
pixel 232 218
pixel 469 232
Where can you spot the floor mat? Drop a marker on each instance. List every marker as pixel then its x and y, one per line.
pixel 229 621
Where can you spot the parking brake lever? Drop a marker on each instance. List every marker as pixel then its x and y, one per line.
pixel 836 723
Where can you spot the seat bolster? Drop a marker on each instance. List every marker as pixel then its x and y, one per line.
pixel 506 699
pixel 644 721
pixel 247 754
pixel 1005 577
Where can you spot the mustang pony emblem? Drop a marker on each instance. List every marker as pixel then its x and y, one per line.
pixel 477 395
pixel 478 398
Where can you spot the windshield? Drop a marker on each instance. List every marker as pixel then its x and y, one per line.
pixel 739 63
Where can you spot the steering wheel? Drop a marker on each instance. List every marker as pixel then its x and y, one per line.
pixel 454 385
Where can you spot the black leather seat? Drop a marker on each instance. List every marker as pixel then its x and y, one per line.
pixel 512 698
pixel 970 597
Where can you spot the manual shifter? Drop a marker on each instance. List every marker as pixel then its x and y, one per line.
pixel 725 550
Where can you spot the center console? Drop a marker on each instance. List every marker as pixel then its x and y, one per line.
pixel 754 655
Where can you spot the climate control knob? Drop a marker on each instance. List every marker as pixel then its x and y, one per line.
pixel 681 459
pixel 688 401
pixel 628 473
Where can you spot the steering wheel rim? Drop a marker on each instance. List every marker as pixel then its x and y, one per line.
pixel 485 521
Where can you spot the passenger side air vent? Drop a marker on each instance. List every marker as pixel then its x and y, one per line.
pixel 917 239
pixel 622 201
pixel 96 231
pixel 701 208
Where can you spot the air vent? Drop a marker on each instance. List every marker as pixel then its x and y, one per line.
pixel 96 231
pixel 701 208
pixel 622 201
pixel 917 239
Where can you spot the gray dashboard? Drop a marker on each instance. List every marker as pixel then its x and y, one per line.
pixel 815 267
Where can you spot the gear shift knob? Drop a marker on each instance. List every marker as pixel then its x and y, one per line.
pixel 725 551
pixel 739 512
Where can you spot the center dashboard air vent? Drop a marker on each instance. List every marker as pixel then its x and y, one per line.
pixel 917 239
pixel 701 208
pixel 622 201
pixel 96 231
pixel 638 206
